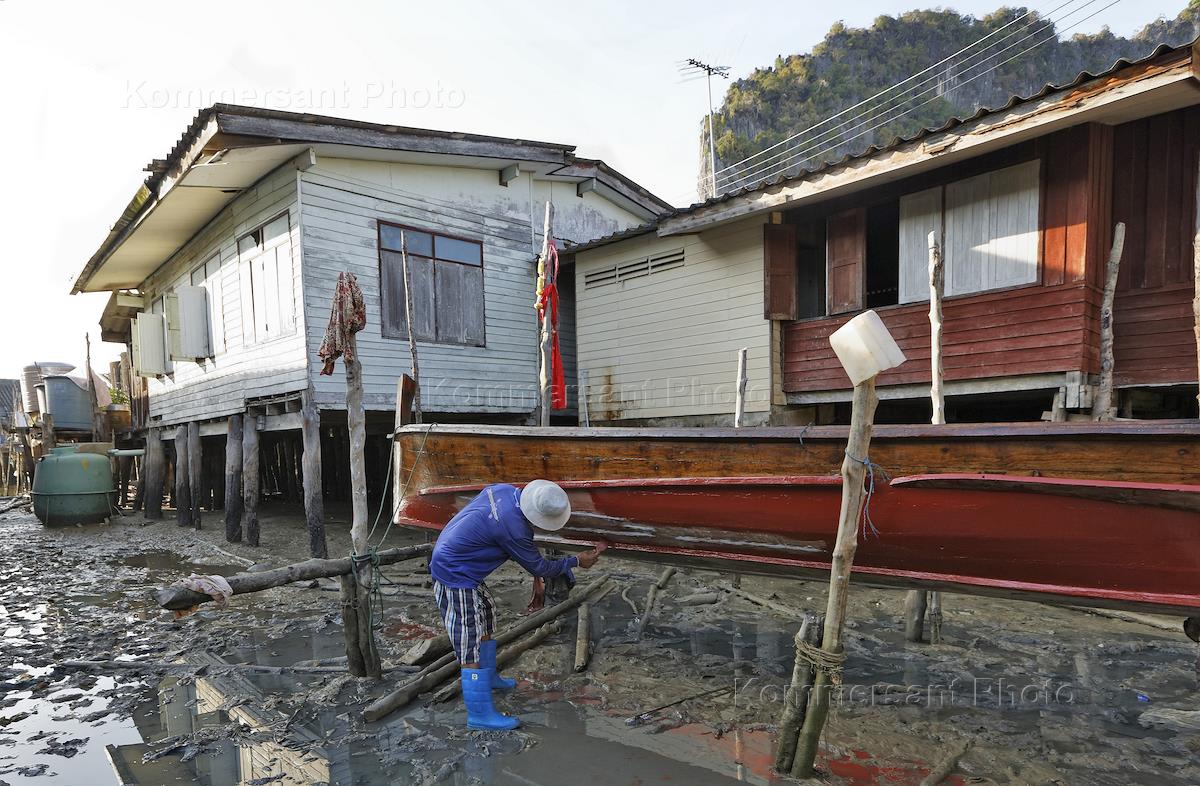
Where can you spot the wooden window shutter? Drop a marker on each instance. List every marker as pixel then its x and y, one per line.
pixel 846 245
pixel 779 271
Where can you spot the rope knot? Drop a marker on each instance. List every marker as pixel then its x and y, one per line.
pixel 868 527
pixel 828 663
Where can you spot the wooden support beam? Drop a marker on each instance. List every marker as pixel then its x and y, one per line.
pixel 155 466
pixel 233 480
pixel 360 642
pixel 183 488
pixel 314 503
pixel 195 471
pixel 176 598
pixel 795 700
pixel 251 480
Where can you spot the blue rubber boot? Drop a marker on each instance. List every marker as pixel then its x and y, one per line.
pixel 487 660
pixel 477 695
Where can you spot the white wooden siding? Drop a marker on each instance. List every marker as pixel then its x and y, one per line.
pixel 220 386
pixel 920 214
pixel 340 220
pixel 992 230
pixel 665 344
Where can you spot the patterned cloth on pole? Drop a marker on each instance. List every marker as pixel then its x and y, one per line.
pixel 215 586
pixel 547 298
pixel 347 317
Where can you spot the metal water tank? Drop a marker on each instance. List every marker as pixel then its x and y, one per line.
pixel 67 401
pixel 31 377
pixel 70 487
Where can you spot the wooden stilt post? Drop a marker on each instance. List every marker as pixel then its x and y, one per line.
pixel 739 409
pixel 183 489
pixel 251 479
pixel 853 477
pixel 155 465
pixel 1103 408
pixel 918 601
pixel 289 468
pixel 233 479
pixel 310 457
pixel 412 337
pixel 195 470
pixel 544 333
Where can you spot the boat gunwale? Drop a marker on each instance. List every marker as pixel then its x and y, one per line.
pixel 1145 429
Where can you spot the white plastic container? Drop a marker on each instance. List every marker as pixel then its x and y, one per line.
pixel 865 347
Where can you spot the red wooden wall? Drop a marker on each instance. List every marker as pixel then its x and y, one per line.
pixel 1154 191
pixel 1046 327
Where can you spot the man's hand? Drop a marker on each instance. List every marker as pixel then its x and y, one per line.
pixel 588 558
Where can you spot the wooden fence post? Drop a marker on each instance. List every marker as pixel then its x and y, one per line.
pixel 739 407
pixel 251 480
pixel 356 593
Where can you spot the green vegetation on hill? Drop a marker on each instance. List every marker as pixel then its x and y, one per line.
pixel 852 64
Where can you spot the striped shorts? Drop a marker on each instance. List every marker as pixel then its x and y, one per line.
pixel 469 615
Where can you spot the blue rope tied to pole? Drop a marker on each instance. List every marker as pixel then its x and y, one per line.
pixel 868 526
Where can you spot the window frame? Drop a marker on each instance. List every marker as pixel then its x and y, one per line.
pixel 402 335
pixel 244 262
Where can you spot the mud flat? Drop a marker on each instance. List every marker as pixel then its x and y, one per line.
pixel 1045 695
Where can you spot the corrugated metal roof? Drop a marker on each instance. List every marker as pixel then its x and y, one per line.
pixel 873 150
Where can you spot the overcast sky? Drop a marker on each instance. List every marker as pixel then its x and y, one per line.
pixel 93 91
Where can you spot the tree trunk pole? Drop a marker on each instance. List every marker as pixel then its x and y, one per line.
pixel 155 461
pixel 739 408
pixel 195 470
pixel 183 489
pixel 310 458
pixel 233 480
pixel 251 479
pixel 853 492
pixel 360 638
pixel 1102 407
pixel 412 336
pixel 795 701
pixel 544 359
pixel 1196 271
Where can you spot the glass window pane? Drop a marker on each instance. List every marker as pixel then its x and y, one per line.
pixel 198 276
pixel 456 250
pixel 247 245
pixel 276 231
pixel 389 237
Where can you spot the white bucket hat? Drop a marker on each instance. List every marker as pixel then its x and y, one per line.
pixel 545 504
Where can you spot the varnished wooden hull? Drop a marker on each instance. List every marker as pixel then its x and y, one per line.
pixel 1100 514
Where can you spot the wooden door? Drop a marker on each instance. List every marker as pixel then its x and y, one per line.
pixel 845 248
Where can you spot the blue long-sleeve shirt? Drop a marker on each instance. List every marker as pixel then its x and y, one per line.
pixel 485 534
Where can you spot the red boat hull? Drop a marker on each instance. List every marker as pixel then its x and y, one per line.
pixel 1125 544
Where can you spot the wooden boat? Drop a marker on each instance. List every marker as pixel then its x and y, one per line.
pixel 1102 514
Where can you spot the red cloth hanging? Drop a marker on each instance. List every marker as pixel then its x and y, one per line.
pixel 549 299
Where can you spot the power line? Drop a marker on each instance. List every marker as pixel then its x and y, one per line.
pixel 764 170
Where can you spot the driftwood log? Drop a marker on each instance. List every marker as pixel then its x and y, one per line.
pixel 426 650
pixel 447 666
pixel 583 637
pixel 177 598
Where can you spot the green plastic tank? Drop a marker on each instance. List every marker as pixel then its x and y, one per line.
pixel 70 487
